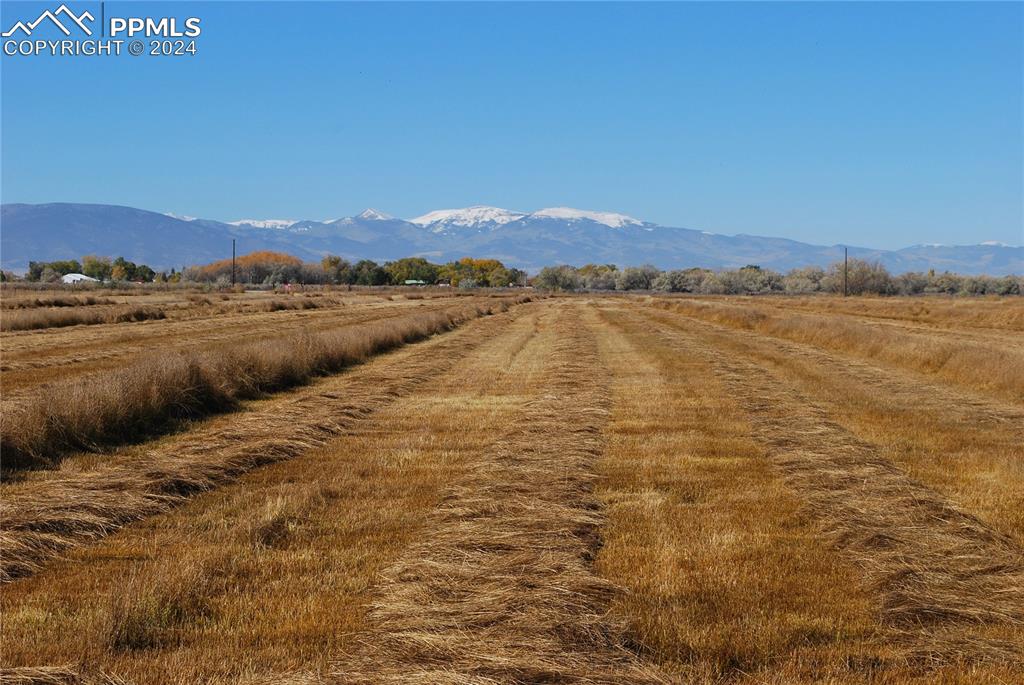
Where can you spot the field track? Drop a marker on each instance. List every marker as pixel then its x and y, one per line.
pixel 576 490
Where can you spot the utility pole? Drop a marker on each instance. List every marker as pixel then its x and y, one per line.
pixel 232 262
pixel 846 268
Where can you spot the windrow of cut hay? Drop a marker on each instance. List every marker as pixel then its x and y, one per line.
pixel 726 580
pixel 1002 314
pixel 31 360
pixel 949 588
pixel 58 317
pixel 959 362
pixel 303 539
pixel 54 301
pixel 55 511
pixel 501 589
pixel 148 397
pixel 80 312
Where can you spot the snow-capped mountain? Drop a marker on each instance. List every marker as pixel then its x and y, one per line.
pixel 264 223
pixel 183 217
pixel 477 217
pixel 610 219
pixel 371 214
pixel 484 218
pixel 528 240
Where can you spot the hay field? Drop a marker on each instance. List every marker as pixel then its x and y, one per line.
pixel 510 488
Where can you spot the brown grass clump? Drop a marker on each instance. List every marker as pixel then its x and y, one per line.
pixel 150 609
pixel 146 398
pixel 281 516
pixel 282 305
pixel 137 314
pixel 50 675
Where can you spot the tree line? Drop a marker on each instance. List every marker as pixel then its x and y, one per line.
pixel 860 277
pixel 276 268
pixel 100 268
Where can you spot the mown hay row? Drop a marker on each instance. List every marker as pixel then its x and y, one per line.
pixel 502 590
pixel 1000 314
pixel 74 345
pixel 950 589
pixel 726 580
pixel 961 406
pixel 303 540
pixel 959 362
pixel 41 519
pixel 54 301
pixel 965 445
pixel 147 397
pixel 34 319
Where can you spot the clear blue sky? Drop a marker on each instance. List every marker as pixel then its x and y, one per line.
pixel 871 124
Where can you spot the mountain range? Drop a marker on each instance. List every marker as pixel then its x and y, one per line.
pixel 527 240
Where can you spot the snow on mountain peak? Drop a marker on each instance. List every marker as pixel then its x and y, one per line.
pixel 264 223
pixel 180 217
pixel 468 216
pixel 371 214
pixel 568 213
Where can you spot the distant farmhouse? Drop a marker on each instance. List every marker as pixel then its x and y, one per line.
pixel 77 278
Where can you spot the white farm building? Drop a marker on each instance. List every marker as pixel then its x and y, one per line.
pixel 77 278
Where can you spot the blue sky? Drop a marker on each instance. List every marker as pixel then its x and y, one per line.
pixel 882 125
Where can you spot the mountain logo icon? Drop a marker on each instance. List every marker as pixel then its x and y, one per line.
pixel 78 20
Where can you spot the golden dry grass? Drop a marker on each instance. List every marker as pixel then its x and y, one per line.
pixel 997 313
pixel 989 368
pixel 725 576
pixel 32 359
pixel 147 397
pixel 31 319
pixel 307 536
pixel 579 490
pixel 92 496
pixel 948 588
pixel 968 448
pixel 29 301
pixel 502 589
